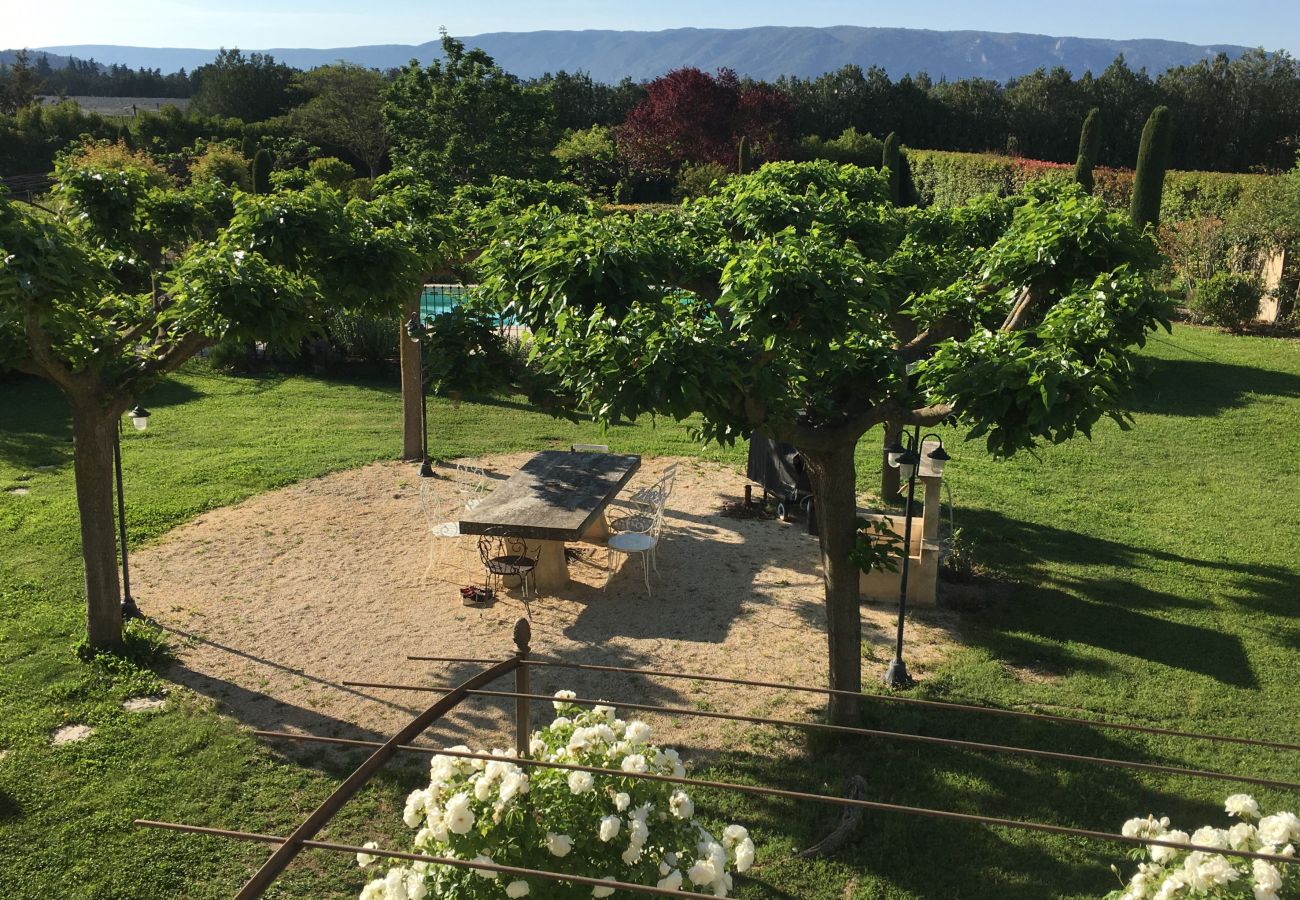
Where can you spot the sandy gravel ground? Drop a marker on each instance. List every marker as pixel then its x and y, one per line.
pixel 278 600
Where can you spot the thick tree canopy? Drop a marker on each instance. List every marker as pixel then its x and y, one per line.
pixel 463 119
pixel 690 116
pixel 252 87
pixel 799 302
pixel 345 111
pixel 140 276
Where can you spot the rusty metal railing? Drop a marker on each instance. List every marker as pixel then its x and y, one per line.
pixel 304 836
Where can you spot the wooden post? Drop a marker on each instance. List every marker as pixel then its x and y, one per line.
pixel 412 424
pixel 523 729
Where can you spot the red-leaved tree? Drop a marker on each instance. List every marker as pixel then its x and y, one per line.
pixel 690 116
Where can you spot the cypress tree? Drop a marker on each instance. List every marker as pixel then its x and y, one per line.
pixel 248 146
pixel 1153 159
pixel 890 160
pixel 262 172
pixel 742 156
pixel 1089 144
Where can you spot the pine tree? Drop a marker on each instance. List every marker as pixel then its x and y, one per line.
pixel 1153 159
pixel 1089 144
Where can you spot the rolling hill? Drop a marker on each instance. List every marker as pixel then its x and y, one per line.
pixel 765 52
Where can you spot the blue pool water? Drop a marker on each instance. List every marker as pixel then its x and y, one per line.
pixel 441 298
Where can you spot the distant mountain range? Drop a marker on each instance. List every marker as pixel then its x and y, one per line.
pixel 763 53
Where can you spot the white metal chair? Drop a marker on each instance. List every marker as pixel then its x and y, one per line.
pixel 645 502
pixel 656 494
pixel 471 480
pixel 641 536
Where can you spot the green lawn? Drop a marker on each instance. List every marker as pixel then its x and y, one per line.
pixel 1148 576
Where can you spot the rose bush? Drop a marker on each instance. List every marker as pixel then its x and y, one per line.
pixel 599 826
pixel 1171 872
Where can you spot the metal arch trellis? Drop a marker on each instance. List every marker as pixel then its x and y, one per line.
pixel 520 664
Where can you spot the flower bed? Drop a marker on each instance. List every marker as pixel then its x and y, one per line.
pixel 600 826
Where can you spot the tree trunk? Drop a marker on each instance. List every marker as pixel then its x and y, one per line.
pixel 835 497
pixel 93 435
pixel 412 425
pixel 889 484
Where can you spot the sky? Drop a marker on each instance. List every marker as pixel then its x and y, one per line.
pixel 261 24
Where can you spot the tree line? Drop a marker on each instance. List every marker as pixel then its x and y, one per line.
pixel 1231 114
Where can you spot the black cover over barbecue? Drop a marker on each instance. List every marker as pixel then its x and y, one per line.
pixel 778 468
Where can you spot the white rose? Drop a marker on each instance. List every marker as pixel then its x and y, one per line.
pixel 637 732
pixel 415 887
pixel 365 859
pixel 744 855
pixel 1163 854
pixel 1240 836
pixel 580 782
pixel 375 890
pixel 485 873
pixel 702 872
pixel 536 747
pixel 517 889
pixel 559 844
pixel 634 763
pixel 1279 828
pixel 459 817
pixel 560 697
pixel 622 802
pixel 1210 836
pixel 603 891
pixel 604 712
pixel 395 884
pixel 609 826
pixel 561 722
pixel 1268 880
pixel 682 806
pixel 1243 806
pixel 513 783
pixel 415 808
pixel 632 853
pixel 733 834
pixel 672 881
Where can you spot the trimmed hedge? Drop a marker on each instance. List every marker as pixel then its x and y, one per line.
pixel 948 178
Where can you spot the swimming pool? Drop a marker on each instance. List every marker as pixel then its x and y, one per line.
pixel 441 298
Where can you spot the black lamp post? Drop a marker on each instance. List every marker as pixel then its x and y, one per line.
pixel 140 419
pixel 415 331
pixel 907 459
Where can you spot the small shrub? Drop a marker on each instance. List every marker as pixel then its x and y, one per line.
pixel 700 180
pixel 233 355
pixel 224 165
pixel 959 562
pixel 332 171
pixel 1227 300
pixel 116 156
pixel 367 340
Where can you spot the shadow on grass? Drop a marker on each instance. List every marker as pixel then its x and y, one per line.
pixel 1060 601
pixel 931 858
pixel 9 807
pixel 1203 387
pixel 38 427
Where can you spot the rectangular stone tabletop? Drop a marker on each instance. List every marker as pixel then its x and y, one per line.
pixel 556 496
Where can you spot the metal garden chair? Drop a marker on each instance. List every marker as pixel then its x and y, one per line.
pixel 505 556
pixel 640 536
